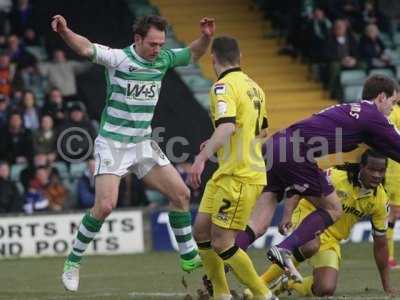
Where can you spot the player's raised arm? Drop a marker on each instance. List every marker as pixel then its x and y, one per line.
pixel 81 45
pixel 199 47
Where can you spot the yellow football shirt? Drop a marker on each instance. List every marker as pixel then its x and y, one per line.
pixel 357 203
pixel 236 98
pixel 392 182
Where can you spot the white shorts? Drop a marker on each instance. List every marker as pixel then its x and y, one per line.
pixel 119 159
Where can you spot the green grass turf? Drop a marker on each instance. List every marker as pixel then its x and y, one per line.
pixel 141 276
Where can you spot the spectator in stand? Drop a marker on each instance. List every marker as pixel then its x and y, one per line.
pixel 21 17
pixel 55 106
pixel 4 105
pixel 10 198
pixel 345 9
pixel 390 11
pixel 56 192
pixel 45 139
pixel 29 78
pixel 16 141
pixel 3 43
pixel 5 8
pixel 30 113
pixel 320 32
pixel 85 186
pixel 77 118
pixel 61 73
pixel 342 53
pixel 7 72
pixel 27 174
pixel 36 198
pixel 370 14
pixel 31 38
pixel 18 54
pixel 372 49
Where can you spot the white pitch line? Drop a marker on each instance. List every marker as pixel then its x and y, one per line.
pixel 158 295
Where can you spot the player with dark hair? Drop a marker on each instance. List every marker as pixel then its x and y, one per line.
pixel 239 116
pixel 362 195
pixel 294 173
pixel 124 144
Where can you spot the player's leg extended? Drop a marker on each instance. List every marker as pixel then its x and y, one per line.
pixel 223 242
pixel 236 201
pixel 213 264
pixel 328 211
pixel 106 196
pixel 168 181
pixel 299 254
pixel 260 220
pixel 393 216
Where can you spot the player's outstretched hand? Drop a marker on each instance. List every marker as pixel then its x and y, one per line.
pixel 59 24
pixel 207 26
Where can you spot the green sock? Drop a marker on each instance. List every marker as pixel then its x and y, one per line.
pixel 181 224
pixel 87 230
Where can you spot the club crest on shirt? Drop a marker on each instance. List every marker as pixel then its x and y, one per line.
pixel 219 89
pixel 341 194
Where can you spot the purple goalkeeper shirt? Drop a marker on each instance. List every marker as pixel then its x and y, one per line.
pixel 345 126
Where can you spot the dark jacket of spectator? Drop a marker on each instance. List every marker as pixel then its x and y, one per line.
pixel 21 17
pixel 370 49
pixel 336 51
pixel 16 145
pixel 10 198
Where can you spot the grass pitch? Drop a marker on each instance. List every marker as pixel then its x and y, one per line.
pixel 156 275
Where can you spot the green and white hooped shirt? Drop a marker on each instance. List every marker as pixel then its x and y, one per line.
pixel 133 88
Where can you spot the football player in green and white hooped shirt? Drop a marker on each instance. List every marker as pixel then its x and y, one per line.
pixel 123 145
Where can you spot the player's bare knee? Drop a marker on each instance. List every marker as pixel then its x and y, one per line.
pixel 199 234
pixel 103 209
pixel 181 198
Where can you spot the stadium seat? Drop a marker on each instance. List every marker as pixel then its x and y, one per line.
pixel 62 168
pixel 16 171
pixel 76 170
pixel 352 77
pixel 352 93
pixel 383 71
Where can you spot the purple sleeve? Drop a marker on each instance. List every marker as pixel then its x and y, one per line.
pixel 383 137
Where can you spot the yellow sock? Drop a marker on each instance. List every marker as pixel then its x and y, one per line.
pixel 389 236
pixel 303 289
pixel 273 272
pixel 244 270
pixel 214 266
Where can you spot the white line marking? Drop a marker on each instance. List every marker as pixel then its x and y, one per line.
pixel 158 295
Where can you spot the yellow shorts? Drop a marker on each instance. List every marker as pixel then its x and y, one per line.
pixel 325 258
pixel 229 202
pixel 392 182
pixel 329 254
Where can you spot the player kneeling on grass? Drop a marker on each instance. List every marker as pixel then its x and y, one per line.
pixel 362 194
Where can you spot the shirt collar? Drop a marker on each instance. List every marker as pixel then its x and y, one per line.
pixel 137 56
pixel 226 72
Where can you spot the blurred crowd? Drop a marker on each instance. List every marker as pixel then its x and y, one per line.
pixel 332 36
pixel 39 101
